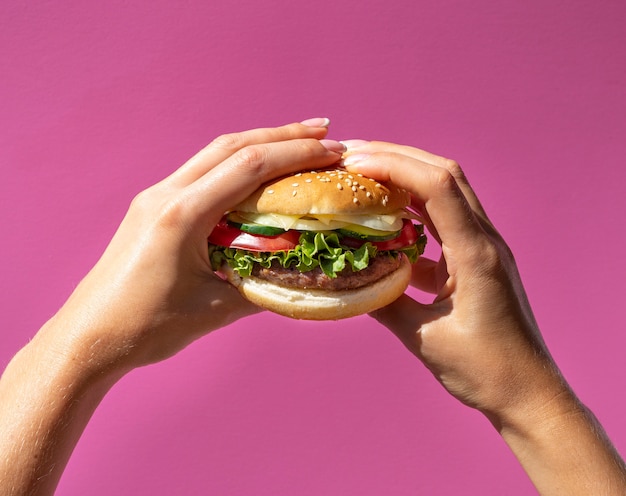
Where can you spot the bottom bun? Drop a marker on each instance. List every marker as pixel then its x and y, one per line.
pixel 322 304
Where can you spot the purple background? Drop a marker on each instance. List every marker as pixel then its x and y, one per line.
pixel 100 99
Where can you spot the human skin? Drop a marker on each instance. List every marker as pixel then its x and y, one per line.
pixel 479 336
pixel 112 324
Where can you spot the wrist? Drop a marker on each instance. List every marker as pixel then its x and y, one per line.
pixel 79 352
pixel 541 417
pixel 539 399
pixel 559 442
pixel 48 392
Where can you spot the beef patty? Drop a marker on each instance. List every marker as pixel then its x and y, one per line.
pixel 378 267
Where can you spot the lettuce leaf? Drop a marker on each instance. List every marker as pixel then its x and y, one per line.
pixel 315 249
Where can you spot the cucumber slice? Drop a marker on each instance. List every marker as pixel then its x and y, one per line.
pixel 262 230
pixel 251 228
pixel 369 234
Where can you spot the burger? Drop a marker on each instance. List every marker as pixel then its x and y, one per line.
pixel 319 245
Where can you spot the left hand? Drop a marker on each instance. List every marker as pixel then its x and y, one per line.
pixel 153 291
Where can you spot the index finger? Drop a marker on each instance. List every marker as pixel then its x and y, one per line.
pixel 228 144
pixel 234 179
pixel 426 157
pixel 438 193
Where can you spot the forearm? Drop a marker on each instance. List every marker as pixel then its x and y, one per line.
pixel 47 396
pixel 564 449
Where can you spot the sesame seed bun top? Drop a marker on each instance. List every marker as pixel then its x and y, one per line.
pixel 327 191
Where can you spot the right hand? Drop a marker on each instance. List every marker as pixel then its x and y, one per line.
pixel 479 337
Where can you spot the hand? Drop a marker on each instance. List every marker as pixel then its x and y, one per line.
pixel 153 291
pixel 479 336
pixel 150 294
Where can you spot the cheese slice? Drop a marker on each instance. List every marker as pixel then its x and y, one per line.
pixel 329 222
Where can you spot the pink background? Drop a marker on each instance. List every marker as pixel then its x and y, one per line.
pixel 100 99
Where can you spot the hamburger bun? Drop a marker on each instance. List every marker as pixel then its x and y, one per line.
pixel 326 192
pixel 359 212
pixel 322 304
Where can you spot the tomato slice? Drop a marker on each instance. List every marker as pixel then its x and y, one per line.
pixel 408 236
pixel 226 235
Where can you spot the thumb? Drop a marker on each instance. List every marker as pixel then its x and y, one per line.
pixel 405 317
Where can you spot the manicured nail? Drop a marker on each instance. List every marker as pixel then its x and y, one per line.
pixel 353 160
pixel 317 122
pixel 354 143
pixel 333 146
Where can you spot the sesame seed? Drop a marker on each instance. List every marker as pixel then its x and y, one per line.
pixel 361 187
pixel 378 185
pixel 298 174
pixel 294 193
pixel 354 188
pixel 368 194
pixel 355 200
pixel 339 186
pixel 270 191
pixel 384 202
pixel 308 180
pixel 295 185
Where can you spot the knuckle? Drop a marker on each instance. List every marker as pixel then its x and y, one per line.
pixel 492 257
pixel 172 212
pixel 142 200
pixel 158 207
pixel 450 178
pixel 444 180
pixel 251 159
pixel 453 167
pixel 230 142
pixel 305 148
pixel 490 254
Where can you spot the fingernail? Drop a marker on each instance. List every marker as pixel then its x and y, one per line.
pixel 333 146
pixel 354 143
pixel 317 122
pixel 352 160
